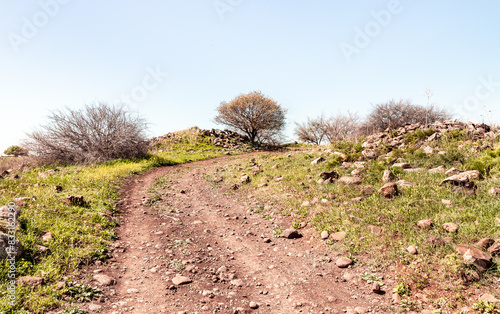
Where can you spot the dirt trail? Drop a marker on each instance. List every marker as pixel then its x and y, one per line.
pixel 214 240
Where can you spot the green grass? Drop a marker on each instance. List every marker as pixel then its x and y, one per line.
pixel 81 234
pixel 475 215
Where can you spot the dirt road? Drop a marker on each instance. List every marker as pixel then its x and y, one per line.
pixel 206 237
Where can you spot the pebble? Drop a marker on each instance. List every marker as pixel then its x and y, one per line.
pixel 343 262
pixel 254 305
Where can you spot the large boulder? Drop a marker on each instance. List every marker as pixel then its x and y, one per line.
pixel 472 255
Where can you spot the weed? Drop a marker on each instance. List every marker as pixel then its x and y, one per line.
pixel 372 278
pixel 177 265
pixel 485 307
pixel 402 289
pixel 277 231
pixel 296 224
pixel 83 293
pixel 417 135
pixel 73 310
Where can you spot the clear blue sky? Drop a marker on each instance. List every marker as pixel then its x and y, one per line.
pixel 67 53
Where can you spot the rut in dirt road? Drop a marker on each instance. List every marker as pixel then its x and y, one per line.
pixel 200 249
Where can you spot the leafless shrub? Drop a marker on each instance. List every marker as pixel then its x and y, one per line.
pixel 335 128
pixel 313 131
pixel 394 114
pixel 95 133
pixel 257 116
pixel 342 127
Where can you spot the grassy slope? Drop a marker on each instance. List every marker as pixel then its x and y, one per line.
pixel 436 271
pixel 81 235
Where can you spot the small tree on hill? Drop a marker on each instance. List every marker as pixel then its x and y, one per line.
pixel 16 151
pixel 394 114
pixel 257 116
pixel 95 133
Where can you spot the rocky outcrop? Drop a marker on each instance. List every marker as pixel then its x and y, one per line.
pixel 395 138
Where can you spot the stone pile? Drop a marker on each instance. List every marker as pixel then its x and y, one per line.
pixel 220 138
pixel 395 138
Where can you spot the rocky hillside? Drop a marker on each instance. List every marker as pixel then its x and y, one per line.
pixel 420 134
pixel 197 138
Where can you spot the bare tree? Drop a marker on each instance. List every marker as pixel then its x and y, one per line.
pixel 95 133
pixel 313 131
pixel 342 127
pixel 394 114
pixel 259 117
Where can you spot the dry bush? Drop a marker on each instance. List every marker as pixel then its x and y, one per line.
pixel 17 164
pixel 335 128
pixel 394 114
pixel 257 116
pixel 95 133
pixel 313 131
pixel 343 127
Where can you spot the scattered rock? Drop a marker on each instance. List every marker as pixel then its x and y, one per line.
pixel 76 200
pixel 6 212
pixel 47 237
pixel 357 172
pixel 291 234
pixel 494 191
pixel 95 307
pixel 472 255
pixel 237 282
pixel 404 184
pixel 46 173
pixel 338 236
pixel 351 180
pixel 30 281
pixel 403 165
pixel 453 171
pixel 245 179
pixel 488 297
pixel 462 178
pixel 343 262
pixel 318 161
pixel 367 190
pixel 181 280
pixel 253 305
pixel 104 280
pixel 6 248
pixel 58 188
pixel 325 234
pixel 332 175
pixel 494 249
pixel 447 202
pixel 412 250
pixel 396 298
pixel 485 243
pixel 450 227
pixel 369 154
pixel 388 176
pixel 60 285
pixel 389 190
pixel 425 223
pixel 376 288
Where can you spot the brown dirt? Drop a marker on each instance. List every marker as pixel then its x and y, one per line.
pixel 221 245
